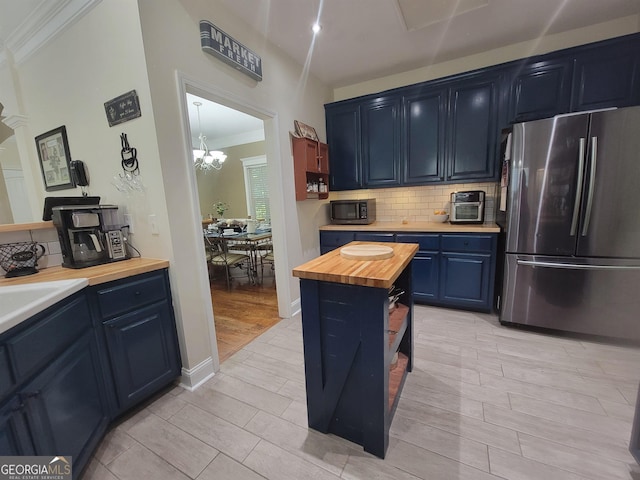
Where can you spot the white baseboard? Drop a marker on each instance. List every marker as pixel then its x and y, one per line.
pixel 192 378
pixel 296 308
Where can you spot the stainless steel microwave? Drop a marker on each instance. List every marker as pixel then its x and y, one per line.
pixel 353 212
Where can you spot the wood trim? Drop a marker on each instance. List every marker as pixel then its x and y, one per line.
pixel 21 227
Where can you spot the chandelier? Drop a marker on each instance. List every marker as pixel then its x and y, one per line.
pixel 203 158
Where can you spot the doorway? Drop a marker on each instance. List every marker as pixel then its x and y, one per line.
pixel 233 193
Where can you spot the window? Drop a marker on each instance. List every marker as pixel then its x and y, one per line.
pixel 257 187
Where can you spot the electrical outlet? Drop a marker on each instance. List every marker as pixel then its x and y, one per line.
pixel 128 219
pixel 153 223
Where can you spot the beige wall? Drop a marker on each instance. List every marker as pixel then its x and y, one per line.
pixel 9 159
pixel 549 43
pixel 227 184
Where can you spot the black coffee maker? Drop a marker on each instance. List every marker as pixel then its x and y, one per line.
pixel 89 235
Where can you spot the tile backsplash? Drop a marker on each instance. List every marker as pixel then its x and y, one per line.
pixel 48 238
pixel 416 204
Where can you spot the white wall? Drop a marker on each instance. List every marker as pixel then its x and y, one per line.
pixel 174 58
pixel 549 43
pixel 102 56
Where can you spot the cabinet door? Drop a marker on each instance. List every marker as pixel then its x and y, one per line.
pixel 426 271
pixel 541 89
pixel 381 142
pixel 324 157
pixel 473 128
pixel 606 77
pixel 424 116
pixel 14 436
pixel 143 352
pixel 311 156
pixel 66 403
pixel 343 138
pixel 465 279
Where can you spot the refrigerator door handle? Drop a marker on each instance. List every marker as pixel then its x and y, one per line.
pixel 592 182
pixel 576 203
pixel 576 266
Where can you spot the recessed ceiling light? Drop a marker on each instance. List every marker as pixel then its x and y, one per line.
pixel 316 28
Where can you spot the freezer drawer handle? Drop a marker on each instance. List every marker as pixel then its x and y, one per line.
pixel 573 266
pixel 576 204
pixel 592 181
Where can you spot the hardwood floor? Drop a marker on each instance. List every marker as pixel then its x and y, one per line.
pixel 243 312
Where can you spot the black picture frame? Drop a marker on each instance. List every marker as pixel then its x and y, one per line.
pixel 55 158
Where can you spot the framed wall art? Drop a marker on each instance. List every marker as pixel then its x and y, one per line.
pixel 54 155
pixel 304 130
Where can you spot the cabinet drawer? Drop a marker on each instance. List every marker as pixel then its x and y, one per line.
pixel 6 379
pixel 375 237
pixel 128 295
pixel 426 242
pixel 39 344
pixel 335 239
pixel 467 243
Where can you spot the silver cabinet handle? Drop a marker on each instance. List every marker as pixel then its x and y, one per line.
pixel 592 181
pixel 576 204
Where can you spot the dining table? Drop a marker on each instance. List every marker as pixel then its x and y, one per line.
pixel 251 243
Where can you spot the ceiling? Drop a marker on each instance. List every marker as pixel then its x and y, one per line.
pixel 363 39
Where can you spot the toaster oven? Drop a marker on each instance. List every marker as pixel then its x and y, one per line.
pixel 467 207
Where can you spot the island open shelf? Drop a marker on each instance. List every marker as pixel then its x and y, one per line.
pixel 350 339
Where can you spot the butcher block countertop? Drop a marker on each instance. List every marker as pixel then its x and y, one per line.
pixel 95 275
pixel 445 227
pixel 332 267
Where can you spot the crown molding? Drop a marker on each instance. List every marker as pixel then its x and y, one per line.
pixel 15 121
pixel 47 21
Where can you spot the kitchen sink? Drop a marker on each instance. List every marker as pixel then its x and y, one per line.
pixel 19 302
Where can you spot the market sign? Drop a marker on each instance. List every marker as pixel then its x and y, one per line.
pixel 217 43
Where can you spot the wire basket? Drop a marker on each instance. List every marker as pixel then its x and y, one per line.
pixel 20 258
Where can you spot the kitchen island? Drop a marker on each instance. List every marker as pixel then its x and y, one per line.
pixel 357 349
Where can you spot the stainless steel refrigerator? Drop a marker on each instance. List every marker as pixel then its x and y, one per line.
pixel 572 224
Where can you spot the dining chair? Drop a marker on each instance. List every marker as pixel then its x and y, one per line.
pixel 268 259
pixel 218 255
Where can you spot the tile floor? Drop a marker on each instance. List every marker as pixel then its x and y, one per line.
pixel 483 402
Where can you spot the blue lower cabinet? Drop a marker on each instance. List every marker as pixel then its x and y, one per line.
pixel 466 280
pixel 15 439
pixel 426 271
pixel 143 352
pixel 140 336
pixel 62 379
pixel 450 269
pixel 66 404
pixel 330 240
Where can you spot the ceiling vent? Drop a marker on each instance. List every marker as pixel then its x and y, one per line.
pixel 418 14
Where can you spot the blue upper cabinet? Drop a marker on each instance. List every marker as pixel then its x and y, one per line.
pixel 474 116
pixel 447 130
pixel 343 134
pixel 540 89
pixel 607 76
pixel 381 142
pixel 424 115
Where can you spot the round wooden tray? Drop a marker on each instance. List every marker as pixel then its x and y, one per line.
pixel 366 252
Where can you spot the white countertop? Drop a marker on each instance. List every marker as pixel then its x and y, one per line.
pixel 20 302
